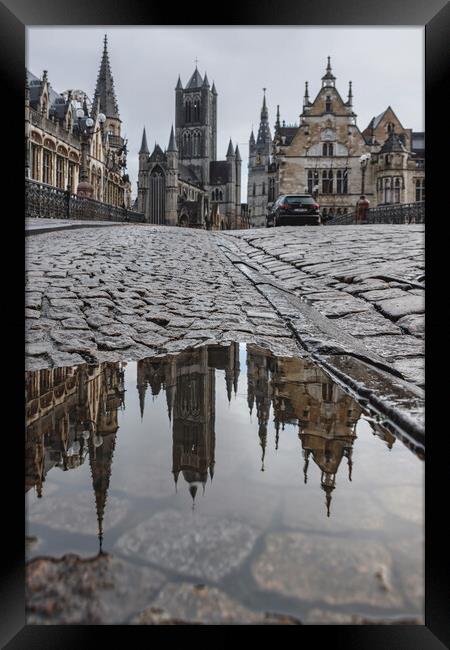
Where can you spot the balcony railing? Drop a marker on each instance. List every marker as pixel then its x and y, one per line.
pixel 46 201
pixel 392 213
pixel 54 128
pixel 116 141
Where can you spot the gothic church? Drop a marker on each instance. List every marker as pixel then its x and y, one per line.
pixel 186 185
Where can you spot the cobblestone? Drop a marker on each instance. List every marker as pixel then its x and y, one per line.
pixel 141 288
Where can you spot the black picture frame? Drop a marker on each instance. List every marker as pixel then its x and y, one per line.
pixel 15 16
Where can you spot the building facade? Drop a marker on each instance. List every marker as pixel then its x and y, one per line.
pixel 53 137
pixel 327 155
pixel 186 185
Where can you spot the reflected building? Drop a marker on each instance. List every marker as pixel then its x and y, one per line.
pixel 302 394
pixel 190 384
pixel 71 413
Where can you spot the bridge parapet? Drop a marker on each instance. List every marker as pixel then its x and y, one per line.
pixel 393 213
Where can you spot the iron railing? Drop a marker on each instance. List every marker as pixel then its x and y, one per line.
pixel 392 213
pixel 46 201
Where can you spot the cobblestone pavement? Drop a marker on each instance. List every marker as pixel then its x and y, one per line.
pixel 131 292
pixel 134 291
pixel 369 280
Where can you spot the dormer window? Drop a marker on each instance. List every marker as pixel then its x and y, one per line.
pixel 327 149
pixel 390 127
pixel 328 104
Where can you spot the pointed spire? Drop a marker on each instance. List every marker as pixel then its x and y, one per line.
pixel 277 123
pixel 179 85
pixel 142 388
pixel 230 152
pixel 196 80
pixel 328 78
pixel 229 382
pixel 306 97
pixel 252 138
pixel 211 471
pixel 350 94
pixel 237 153
pixel 172 143
pixel 205 81
pixel 213 89
pixel 104 89
pixel 193 492
pixel 264 111
pixel 144 145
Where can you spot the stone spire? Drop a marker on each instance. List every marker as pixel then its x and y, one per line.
pixel 230 152
pixel 328 78
pixel 179 85
pixel 172 143
pixel 237 153
pixel 205 81
pixel 100 460
pixel 350 94
pixel 104 89
pixel 277 123
pixel 306 97
pixel 144 145
pixel 213 89
pixel 264 138
pixel 252 138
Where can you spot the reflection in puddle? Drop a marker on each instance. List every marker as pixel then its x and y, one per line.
pixel 256 405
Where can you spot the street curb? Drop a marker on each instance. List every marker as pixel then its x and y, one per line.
pixel 49 228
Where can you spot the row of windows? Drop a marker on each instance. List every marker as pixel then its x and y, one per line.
pixel 271 193
pixel 328 179
pixel 192 110
pixel 191 144
pixel 59 171
pixel 217 195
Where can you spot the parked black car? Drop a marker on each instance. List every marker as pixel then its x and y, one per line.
pixel 290 209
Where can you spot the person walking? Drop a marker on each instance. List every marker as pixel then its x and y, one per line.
pixel 362 207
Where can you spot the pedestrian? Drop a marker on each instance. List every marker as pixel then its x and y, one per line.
pixel 362 207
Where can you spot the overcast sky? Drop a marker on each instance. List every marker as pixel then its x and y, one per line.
pixel 385 64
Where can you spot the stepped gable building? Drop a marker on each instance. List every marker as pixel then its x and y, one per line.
pixel 302 395
pixel 52 137
pixel 321 156
pixel 186 185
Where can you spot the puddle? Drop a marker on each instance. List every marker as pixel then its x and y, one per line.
pixel 254 476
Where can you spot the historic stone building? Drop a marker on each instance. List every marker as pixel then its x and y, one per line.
pixel 186 185
pixel 302 395
pixel 53 139
pixel 71 415
pixel 328 156
pixel 190 385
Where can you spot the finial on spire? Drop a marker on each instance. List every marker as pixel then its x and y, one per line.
pixel 277 123
pixel 196 61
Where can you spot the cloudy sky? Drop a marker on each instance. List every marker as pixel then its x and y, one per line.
pixel 385 64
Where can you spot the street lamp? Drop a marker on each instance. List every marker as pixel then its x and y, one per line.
pixel 85 125
pixel 363 161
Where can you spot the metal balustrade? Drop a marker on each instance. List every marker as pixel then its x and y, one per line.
pixel 46 201
pixel 395 213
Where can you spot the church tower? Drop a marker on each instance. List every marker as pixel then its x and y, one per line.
pixel 258 167
pixel 105 97
pixel 196 124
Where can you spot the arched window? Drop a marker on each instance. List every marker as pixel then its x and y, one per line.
pixel 397 184
pixel 420 189
pixel 188 110
pixel 390 127
pixel 327 149
pixel 310 181
pixel 221 195
pixel 387 190
pixel 196 110
pixel 327 181
pixel 254 189
pixel 186 144
pixel 196 143
pixel 157 195
pixel 263 189
pixel 328 104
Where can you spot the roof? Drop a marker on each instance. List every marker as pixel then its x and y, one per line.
pixel 393 143
pixel 219 172
pixel 195 81
pixel 288 132
pixel 187 174
pixel 157 154
pixel 104 90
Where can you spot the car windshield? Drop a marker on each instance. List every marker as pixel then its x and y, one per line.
pixel 307 200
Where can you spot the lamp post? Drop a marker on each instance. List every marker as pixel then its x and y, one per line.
pixel 85 125
pixel 363 161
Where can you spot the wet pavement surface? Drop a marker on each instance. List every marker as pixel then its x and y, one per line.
pixel 218 485
pixel 133 291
